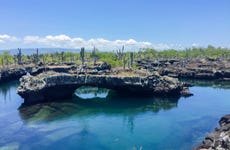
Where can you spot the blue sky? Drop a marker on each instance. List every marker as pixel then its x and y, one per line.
pixel 110 23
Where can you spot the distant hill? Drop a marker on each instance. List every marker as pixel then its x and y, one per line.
pixel 29 51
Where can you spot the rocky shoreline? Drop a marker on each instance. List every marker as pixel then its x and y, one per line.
pixel 158 77
pixel 11 74
pixel 16 72
pixel 218 139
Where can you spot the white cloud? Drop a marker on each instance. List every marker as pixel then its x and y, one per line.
pixel 64 41
pixel 4 38
pixel 195 45
pixel 28 39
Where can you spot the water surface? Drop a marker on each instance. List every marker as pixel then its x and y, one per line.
pixel 110 122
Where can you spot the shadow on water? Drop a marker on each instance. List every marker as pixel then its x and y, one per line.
pixel 111 104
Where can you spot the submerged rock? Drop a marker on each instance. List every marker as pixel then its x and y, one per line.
pixel 52 85
pixel 218 139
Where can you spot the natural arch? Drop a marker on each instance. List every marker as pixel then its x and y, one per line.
pixel 53 86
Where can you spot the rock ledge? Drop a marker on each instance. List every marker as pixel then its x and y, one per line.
pixel 53 85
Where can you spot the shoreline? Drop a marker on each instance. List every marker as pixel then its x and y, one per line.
pixel 219 139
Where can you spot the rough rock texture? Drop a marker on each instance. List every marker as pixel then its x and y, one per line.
pixel 218 139
pixel 71 69
pixel 11 74
pixel 53 85
pixel 16 73
pixel 189 68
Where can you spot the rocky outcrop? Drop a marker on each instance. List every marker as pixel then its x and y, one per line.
pixel 53 85
pixel 71 69
pixel 11 74
pixel 205 69
pixel 37 70
pixel 218 139
pixel 16 73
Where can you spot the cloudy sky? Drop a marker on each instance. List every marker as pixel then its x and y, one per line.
pixel 109 24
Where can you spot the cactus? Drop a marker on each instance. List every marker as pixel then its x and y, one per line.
pixel 124 61
pixel 120 53
pixel 94 56
pixel 15 60
pixel 82 54
pixel 130 60
pixel 73 58
pixel 37 56
pixel 19 56
pixel 62 57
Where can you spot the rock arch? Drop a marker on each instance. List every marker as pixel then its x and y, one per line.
pixel 53 86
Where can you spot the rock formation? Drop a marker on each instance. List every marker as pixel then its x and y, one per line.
pixel 205 69
pixel 52 85
pixel 11 74
pixel 218 139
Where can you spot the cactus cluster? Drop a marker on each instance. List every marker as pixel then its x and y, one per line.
pixel 120 53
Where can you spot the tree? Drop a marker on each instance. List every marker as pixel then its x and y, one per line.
pixel 6 58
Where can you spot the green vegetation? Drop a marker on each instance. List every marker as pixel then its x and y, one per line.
pixel 6 59
pixel 118 58
pixel 209 52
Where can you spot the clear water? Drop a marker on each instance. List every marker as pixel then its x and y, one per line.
pixel 111 123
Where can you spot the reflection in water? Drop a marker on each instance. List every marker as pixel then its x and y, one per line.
pixel 7 89
pixel 113 104
pixel 209 83
pixel 87 92
pixel 109 106
pixel 126 107
pixel 113 122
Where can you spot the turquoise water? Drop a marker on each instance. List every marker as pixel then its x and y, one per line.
pixel 113 122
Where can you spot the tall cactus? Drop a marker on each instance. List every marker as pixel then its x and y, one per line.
pixel 62 57
pixel 94 56
pixel 15 60
pixel 130 60
pixel 120 53
pixel 82 54
pixel 124 61
pixel 36 57
pixel 19 56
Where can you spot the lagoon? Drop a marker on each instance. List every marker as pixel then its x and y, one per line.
pixel 111 122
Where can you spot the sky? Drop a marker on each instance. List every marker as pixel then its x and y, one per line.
pixel 109 24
